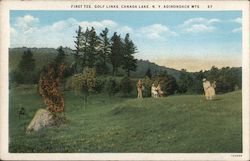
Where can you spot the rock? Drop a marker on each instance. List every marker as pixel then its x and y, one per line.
pixel 42 118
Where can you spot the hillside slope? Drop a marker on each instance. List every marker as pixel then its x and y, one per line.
pixel 176 124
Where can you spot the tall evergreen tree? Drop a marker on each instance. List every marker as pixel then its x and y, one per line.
pixel 92 48
pixel 128 61
pixel 27 62
pixel 60 58
pixel 116 52
pixel 78 50
pixel 105 51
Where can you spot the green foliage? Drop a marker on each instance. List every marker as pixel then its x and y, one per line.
pixel 128 60
pixel 19 77
pixel 84 83
pixel 60 58
pixel 197 86
pixel 126 86
pixel 100 85
pixel 168 83
pixel 104 52
pixel 111 87
pixel 25 73
pixel 185 81
pixel 92 48
pixel 116 52
pixel 148 73
pixel 147 83
pixel 27 62
pixel 228 80
pixel 77 65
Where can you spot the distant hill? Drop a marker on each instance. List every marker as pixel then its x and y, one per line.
pixel 144 65
pixel 41 55
pixel 45 55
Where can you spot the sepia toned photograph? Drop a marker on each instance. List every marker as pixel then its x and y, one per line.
pixel 136 80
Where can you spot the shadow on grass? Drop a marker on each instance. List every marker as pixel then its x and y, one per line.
pixel 216 99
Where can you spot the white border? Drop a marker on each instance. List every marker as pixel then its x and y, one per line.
pixel 6 6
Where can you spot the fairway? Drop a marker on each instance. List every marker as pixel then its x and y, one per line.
pixel 174 124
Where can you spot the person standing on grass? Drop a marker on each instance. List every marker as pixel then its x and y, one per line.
pixel 208 89
pixel 139 88
pixel 160 92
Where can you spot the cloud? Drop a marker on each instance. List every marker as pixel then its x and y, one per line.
pixel 200 28
pixel 26 22
pixel 237 20
pixel 124 30
pixel 237 30
pixel 156 31
pixel 199 25
pixel 12 31
pixel 26 31
pixel 98 24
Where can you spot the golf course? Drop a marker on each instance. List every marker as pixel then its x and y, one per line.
pixel 173 124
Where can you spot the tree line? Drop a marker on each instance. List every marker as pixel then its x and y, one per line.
pixel 104 55
pixel 98 51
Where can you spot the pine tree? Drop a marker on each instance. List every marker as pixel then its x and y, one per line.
pixel 92 48
pixel 105 51
pixel 60 58
pixel 78 46
pixel 27 62
pixel 116 52
pixel 128 61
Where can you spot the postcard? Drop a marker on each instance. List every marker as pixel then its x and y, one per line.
pixel 125 80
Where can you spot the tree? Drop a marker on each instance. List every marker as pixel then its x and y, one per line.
pixel 25 74
pixel 49 88
pixel 60 58
pixel 147 83
pixel 78 50
pixel 168 83
pixel 197 86
pixel 105 51
pixel 27 62
pixel 92 48
pixel 128 60
pixel 116 52
pixel 111 87
pixel 185 81
pixel 84 83
pixel 126 86
pixel 148 73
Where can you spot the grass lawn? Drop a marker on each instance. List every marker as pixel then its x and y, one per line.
pixel 175 124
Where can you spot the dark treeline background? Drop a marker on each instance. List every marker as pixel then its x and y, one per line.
pixel 116 68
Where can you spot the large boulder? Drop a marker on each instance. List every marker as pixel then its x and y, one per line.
pixel 42 118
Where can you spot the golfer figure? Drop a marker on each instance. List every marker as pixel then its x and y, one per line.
pixel 139 88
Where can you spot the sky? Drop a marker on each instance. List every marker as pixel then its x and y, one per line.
pixel 192 40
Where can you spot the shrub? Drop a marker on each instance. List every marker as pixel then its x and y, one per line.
pixel 111 87
pixel 168 84
pixel 126 86
pixel 20 77
pixel 100 83
pixel 147 83
pixel 84 83
pixel 49 88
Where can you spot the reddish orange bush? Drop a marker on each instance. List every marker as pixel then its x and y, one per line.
pixel 49 88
